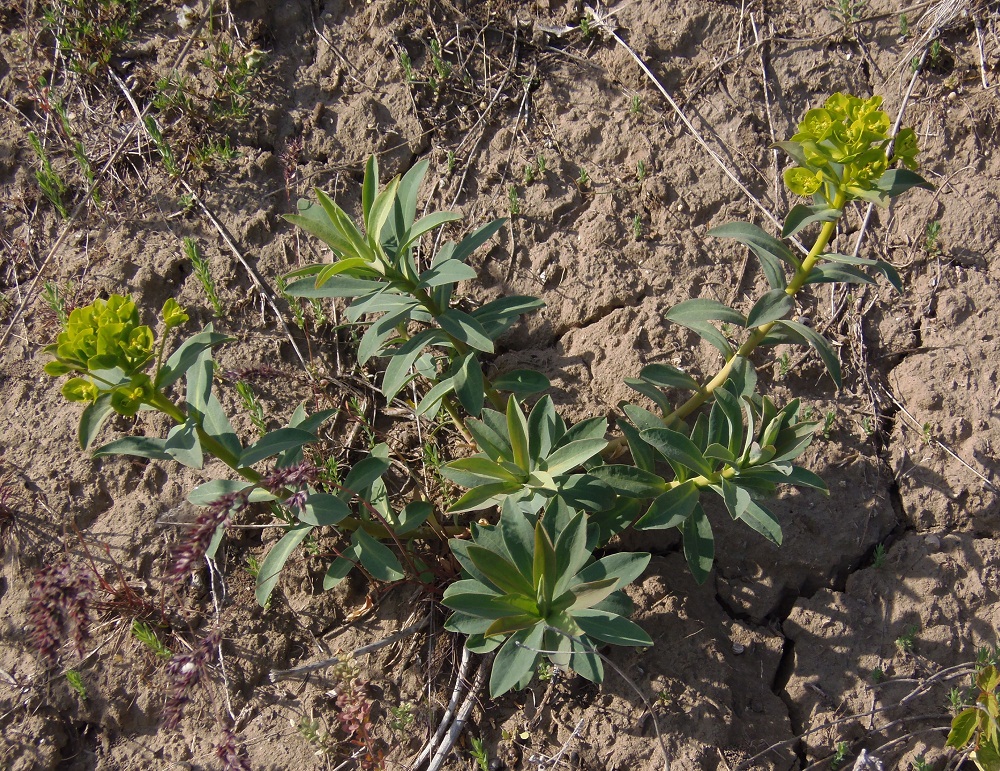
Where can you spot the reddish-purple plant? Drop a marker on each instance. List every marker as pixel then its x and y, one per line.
pixel 186 671
pixel 60 606
pixel 230 752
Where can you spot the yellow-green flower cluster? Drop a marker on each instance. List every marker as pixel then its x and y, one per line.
pixel 107 346
pixel 843 144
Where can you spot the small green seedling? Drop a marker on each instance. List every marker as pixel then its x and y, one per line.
pixel 145 634
pixel 637 227
pixel 904 26
pixel 584 178
pixel 829 419
pixel 878 557
pixel 75 681
pixel 878 675
pixel 402 717
pixel 784 365
pixel 407 65
pixel 848 13
pixel 635 105
pixel 252 405
pixel 920 763
pixel 203 273
pixel 55 298
pixel 586 29
pixel 513 201
pixel 906 641
pixel 479 753
pixel 52 185
pixel 640 170
pixel 839 756
pixel 932 235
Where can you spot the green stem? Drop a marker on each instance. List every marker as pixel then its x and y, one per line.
pixel 759 333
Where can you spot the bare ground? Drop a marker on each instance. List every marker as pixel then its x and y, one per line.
pixel 784 653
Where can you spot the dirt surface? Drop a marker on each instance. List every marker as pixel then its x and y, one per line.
pixel 784 653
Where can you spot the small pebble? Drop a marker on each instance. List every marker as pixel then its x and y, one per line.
pixel 738 648
pixel 933 543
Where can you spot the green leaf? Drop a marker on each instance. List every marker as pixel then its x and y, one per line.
pixel 216 424
pixel 522 382
pixel 671 509
pixel 501 573
pixel 482 496
pixel 704 310
pixel 397 371
pixel 356 267
pixel 897 181
pixel 380 211
pixel 363 474
pixel 665 376
pixel 431 402
pixel 650 391
pixel 186 355
pixel 481 467
pixel 699 544
pixel 183 445
pixel 518 536
pixel 466 329
pixel 447 272
pixel 139 446
pixel 708 333
pixel 369 188
pixel 428 223
pixel 641 417
pixel 771 306
pixel 516 659
pixel 571 554
pixel 323 509
pixel 517 432
pixel 963 728
pixel 630 481
pixel 504 311
pixel 337 572
pixel 677 447
pixel 413 515
pixel 588 595
pixel 801 215
pixel 490 440
pixel 794 151
pixel 891 274
pixel 469 384
pixel 763 521
pixel 209 492
pixel 769 250
pixel 568 456
pixel 838 274
pixel 545 567
pixel 275 560
pixel 381 330
pixel 92 419
pixel 819 343
pixel 625 567
pixel 642 454
pixel 801 477
pixel 377 558
pixel 586 492
pixel 847 259
pixel 474 240
pixel 409 186
pixel 611 628
pixel 274 442
pixel 337 286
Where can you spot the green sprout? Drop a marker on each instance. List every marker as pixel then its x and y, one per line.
pixel 513 201
pixel 144 633
pixel 203 273
pixel 75 681
pixel 879 556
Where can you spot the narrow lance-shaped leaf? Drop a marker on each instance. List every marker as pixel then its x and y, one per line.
pixel 820 344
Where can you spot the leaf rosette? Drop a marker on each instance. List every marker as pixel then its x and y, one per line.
pixel 535 590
